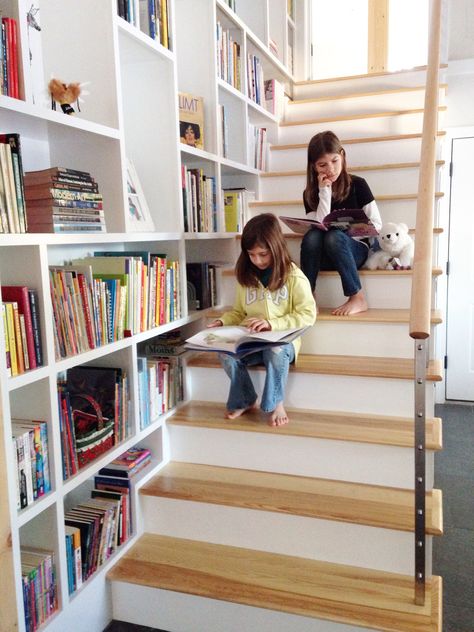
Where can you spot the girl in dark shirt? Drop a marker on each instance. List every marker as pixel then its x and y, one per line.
pixel 329 187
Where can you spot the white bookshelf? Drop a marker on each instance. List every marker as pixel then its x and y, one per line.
pixel 130 111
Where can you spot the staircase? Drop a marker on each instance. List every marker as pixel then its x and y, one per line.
pixel 306 527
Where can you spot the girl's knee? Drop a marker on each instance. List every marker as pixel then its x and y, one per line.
pixel 311 241
pixel 335 240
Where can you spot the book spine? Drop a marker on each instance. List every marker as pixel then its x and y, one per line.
pixel 35 326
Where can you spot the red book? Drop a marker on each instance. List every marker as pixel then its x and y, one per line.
pixel 19 294
pixel 12 63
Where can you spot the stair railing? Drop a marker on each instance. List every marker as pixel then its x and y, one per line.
pixel 420 307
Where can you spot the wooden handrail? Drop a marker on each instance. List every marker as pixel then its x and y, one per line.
pixel 421 283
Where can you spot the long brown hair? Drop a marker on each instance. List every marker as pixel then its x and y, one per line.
pixel 321 144
pixel 263 231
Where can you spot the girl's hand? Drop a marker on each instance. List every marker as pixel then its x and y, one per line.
pixel 257 324
pixel 323 181
pixel 215 323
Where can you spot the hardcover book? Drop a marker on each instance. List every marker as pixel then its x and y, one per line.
pixel 354 221
pixel 191 120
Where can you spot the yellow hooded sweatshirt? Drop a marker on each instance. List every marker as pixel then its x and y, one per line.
pixel 291 306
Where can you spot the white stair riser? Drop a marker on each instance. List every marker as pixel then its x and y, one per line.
pixel 369 104
pixel 367 83
pixel 351 461
pixel 381 182
pixel 179 612
pixel 272 532
pixel 356 128
pixel 380 291
pixel 358 154
pixel 390 340
pixel 327 392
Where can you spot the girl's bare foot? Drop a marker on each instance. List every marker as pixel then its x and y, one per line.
pixel 278 417
pixel 353 305
pixel 233 414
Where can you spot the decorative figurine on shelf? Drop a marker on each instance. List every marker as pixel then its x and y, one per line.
pixel 64 94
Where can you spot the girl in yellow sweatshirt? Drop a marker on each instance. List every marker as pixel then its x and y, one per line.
pixel 272 294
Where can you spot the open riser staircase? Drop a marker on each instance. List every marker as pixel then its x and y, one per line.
pixel 307 527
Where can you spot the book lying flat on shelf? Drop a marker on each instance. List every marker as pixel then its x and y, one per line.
pixel 354 221
pixel 239 341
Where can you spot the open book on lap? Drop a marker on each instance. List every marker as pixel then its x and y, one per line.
pixel 239 341
pixel 353 221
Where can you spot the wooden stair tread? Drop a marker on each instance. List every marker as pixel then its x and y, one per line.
pixel 357 117
pixel 357 366
pixel 378 198
pixel 316 424
pixel 372 315
pixel 366 75
pixel 436 272
pixel 347 594
pixel 383 167
pixel 358 503
pixel 368 93
pixel 354 141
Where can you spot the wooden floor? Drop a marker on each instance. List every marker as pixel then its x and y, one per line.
pixel 357 366
pixel 374 599
pixel 357 503
pixel 316 424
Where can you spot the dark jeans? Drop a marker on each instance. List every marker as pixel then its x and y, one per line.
pixel 333 250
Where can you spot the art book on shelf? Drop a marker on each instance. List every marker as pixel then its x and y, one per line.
pixel 239 341
pixel 191 120
pixel 354 221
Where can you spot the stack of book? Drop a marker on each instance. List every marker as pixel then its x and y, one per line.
pixel 160 384
pixel 199 201
pixel 12 195
pixel 255 81
pixel 258 147
pixel 228 57
pixel 61 200
pixel 128 464
pixel 40 596
pixel 31 457
pixel 21 329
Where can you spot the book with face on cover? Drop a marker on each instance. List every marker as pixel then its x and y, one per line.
pixel 353 221
pixel 239 341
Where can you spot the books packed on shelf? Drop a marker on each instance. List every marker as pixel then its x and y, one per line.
pixel 199 201
pixel 112 295
pixel 21 329
pixel 258 147
pixel 31 458
pixel 63 200
pixel 230 4
pixel 96 527
pixel 9 58
pixel 255 81
pixel 160 385
pixel 126 9
pixel 228 57
pixel 236 208
pixel 12 193
pixel 201 283
pixel 154 18
pixel 39 584
pixel 274 97
pixel 93 413
pixel 191 120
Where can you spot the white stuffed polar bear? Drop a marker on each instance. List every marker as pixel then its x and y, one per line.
pixel 396 249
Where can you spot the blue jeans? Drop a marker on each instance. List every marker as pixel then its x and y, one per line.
pixel 333 250
pixel 242 392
